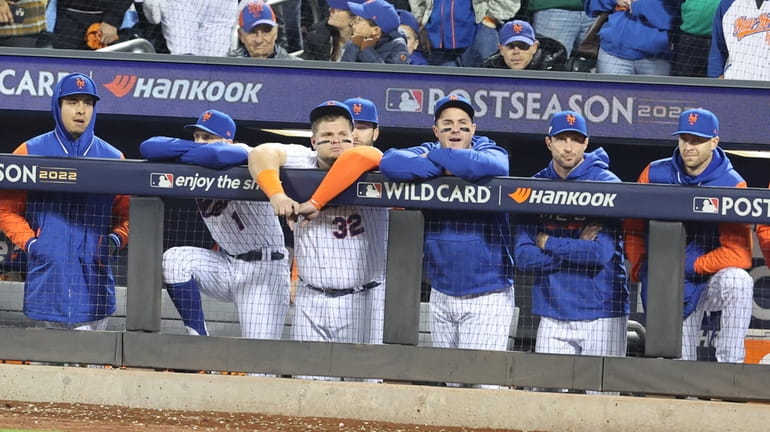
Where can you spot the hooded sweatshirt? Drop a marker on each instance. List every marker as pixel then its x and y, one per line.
pixel 69 277
pixel 710 246
pixel 575 279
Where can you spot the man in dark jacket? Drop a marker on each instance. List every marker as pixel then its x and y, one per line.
pixel 375 38
pixel 520 49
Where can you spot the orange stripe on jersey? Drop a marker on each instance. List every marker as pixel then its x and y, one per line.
pixel 13 205
pixel 351 164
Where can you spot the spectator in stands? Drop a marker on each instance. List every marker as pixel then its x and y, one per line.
pixel 461 33
pixel 75 19
pixel 411 31
pixel 693 41
pixel 716 254
pixel 250 266
pixel 327 39
pixel 331 299
pixel 375 37
pixel 562 20
pixel 576 262
pixel 70 238
pixel 471 300
pixel 739 49
pixel 197 27
pixel 257 31
pixel 519 49
pixel 21 22
pixel 635 39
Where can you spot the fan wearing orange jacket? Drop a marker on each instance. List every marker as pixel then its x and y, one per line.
pixel 716 254
pixel 69 238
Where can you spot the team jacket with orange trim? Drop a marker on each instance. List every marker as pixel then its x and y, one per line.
pixel 575 279
pixel 710 246
pixel 69 277
pixel 466 253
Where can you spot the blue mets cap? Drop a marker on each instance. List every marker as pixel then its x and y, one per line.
pixel 363 110
pixel 256 12
pixel 331 107
pixel 567 121
pixel 698 122
pixel 77 83
pixel 452 101
pixel 517 30
pixel 215 122
pixel 342 4
pixel 380 11
pixel 406 18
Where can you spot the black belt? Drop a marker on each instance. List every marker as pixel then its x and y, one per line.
pixel 256 255
pixel 329 292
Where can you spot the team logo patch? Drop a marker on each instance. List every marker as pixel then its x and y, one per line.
pixel 404 100
pixel 162 180
pixel 369 190
pixel 705 205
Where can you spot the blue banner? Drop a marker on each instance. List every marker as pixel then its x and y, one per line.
pixel 507 194
pixel 283 92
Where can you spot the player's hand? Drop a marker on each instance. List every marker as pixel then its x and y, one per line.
pixel 541 239
pixel 6 17
pixel 283 205
pixel 308 213
pixel 364 42
pixel 109 33
pixel 590 231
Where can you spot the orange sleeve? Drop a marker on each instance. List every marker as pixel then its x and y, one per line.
pixel 13 205
pixel 120 218
pixel 763 234
pixel 351 164
pixel 635 232
pixel 734 248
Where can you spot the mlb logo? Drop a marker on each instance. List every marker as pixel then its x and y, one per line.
pixel 369 190
pixel 162 180
pixel 705 205
pixel 404 100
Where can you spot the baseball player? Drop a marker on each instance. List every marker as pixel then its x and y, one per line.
pixel 69 238
pixel 250 266
pixel 716 254
pixel 340 251
pixel 579 277
pixel 739 48
pixel 467 255
pixel 365 133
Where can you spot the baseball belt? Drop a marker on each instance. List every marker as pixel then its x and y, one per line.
pixel 330 292
pixel 256 255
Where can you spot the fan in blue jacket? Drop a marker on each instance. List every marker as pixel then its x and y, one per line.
pixel 69 238
pixel 579 288
pixel 467 254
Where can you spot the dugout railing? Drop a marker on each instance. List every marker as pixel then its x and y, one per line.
pixel 141 345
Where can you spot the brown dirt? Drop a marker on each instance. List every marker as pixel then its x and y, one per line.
pixel 42 416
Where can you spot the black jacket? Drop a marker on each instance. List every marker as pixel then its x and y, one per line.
pixel 550 55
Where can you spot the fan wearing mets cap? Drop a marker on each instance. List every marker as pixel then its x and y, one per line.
pixel 467 254
pixel 716 254
pixel 257 33
pixel 340 251
pixel 250 264
pixel 69 238
pixel 375 38
pixel 576 263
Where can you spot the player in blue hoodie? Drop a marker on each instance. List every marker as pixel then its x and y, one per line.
pixel 577 263
pixel 467 255
pixel 69 238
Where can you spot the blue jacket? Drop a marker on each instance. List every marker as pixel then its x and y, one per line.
pixel 639 33
pixel 390 49
pixel 710 246
pixel 69 277
pixel 217 155
pixel 575 279
pixel 466 253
